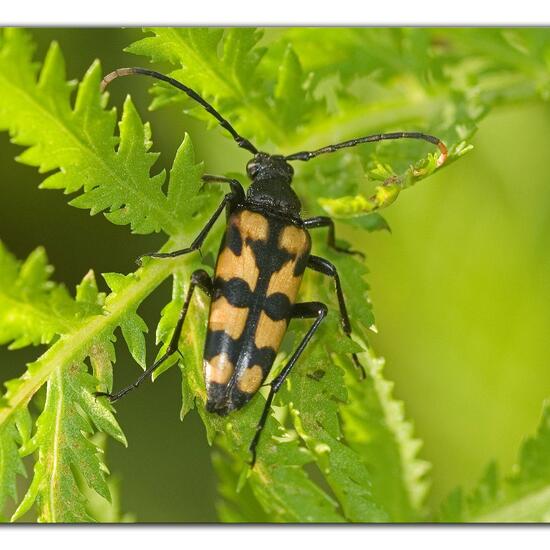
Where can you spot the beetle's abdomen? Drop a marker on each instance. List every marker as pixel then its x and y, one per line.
pixel 257 277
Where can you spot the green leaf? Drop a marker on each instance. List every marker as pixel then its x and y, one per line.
pixel 132 325
pixel 375 426
pixel 33 310
pixel 10 465
pixel 224 66
pixel 72 413
pixel 316 395
pixel 99 508
pixel 235 504
pixel 278 482
pixel 521 497
pixel 79 142
pixel 73 347
pixel 370 222
pixel 63 441
pixel 221 66
pixel 292 101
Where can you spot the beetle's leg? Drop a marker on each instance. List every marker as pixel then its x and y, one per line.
pixel 199 278
pixel 236 195
pixel 325 221
pixel 327 268
pixel 307 310
pixel 236 187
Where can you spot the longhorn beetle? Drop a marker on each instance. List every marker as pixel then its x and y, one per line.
pixel 262 258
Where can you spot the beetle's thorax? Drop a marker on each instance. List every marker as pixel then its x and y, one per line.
pixel 271 177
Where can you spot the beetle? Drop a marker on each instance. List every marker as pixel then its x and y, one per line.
pixel 262 257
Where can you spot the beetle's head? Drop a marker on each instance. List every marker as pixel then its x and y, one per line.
pixel 269 167
pixel 271 177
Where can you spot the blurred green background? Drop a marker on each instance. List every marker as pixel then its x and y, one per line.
pixel 461 293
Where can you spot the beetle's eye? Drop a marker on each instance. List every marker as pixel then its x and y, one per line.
pixel 252 168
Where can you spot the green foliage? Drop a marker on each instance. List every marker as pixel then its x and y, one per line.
pixel 522 496
pixel 335 448
pixel 33 310
pixel 71 413
pixel 10 463
pixel 222 66
pixel 79 142
pixel 375 426
pixel 63 443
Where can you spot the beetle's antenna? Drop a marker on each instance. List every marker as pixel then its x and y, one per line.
pixel 307 155
pixel 241 142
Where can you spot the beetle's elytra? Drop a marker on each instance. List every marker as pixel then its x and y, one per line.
pixel 263 255
pixel 259 269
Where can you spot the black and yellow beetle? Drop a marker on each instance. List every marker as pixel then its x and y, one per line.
pixel 262 258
